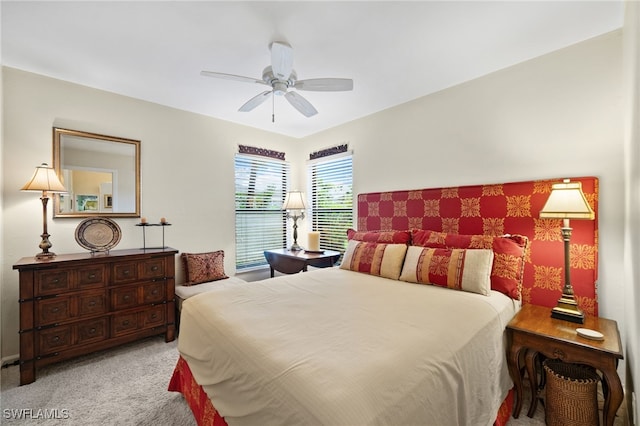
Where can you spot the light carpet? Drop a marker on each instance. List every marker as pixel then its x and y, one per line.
pixel 122 386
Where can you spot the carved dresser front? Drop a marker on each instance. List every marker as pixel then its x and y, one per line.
pixel 75 304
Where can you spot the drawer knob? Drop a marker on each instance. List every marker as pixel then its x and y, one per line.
pixel 126 297
pixel 125 322
pixel 92 331
pixel 154 268
pixel 92 303
pixel 126 272
pixel 154 292
pixel 154 316
pixel 92 276
pixel 56 338
pixel 55 280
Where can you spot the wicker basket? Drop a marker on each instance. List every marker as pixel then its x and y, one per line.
pixel 571 394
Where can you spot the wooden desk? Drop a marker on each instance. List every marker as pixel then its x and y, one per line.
pixel 292 262
pixel 534 331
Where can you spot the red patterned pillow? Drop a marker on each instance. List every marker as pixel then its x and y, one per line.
pixel 384 260
pixel 392 237
pixel 460 269
pixel 508 260
pixel 203 267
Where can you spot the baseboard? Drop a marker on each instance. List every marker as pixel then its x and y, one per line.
pixel 631 413
pixel 10 360
pixel 626 410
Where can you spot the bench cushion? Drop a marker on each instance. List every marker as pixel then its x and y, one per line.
pixel 184 292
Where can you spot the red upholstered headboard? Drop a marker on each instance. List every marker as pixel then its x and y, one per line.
pixel 496 209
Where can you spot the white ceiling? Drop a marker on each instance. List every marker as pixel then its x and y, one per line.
pixel 394 51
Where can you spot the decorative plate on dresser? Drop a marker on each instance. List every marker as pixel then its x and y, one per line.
pixel 98 234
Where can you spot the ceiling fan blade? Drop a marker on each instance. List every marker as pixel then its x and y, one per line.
pixel 301 104
pixel 325 84
pixel 255 101
pixel 231 77
pixel 281 60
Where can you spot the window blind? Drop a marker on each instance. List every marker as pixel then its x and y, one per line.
pixel 261 186
pixel 330 195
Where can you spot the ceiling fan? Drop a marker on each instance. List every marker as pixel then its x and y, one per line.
pixel 281 76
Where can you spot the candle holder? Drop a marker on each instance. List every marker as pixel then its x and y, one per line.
pixel 144 225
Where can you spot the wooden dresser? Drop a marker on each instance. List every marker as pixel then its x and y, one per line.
pixel 75 304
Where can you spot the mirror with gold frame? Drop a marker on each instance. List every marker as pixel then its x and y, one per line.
pixel 101 174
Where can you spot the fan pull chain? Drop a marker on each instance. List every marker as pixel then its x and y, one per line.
pixel 273 108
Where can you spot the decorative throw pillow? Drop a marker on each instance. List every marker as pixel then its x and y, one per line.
pixel 508 254
pixel 460 269
pixel 203 267
pixel 391 237
pixel 384 260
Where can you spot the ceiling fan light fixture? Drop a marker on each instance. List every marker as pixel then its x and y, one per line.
pixel 279 88
pixel 280 76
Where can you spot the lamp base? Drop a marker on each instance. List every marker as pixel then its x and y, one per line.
pixel 567 309
pixel 45 255
pixel 295 247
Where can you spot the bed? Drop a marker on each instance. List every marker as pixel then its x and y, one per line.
pixel 368 342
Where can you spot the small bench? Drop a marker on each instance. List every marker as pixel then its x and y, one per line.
pixel 183 292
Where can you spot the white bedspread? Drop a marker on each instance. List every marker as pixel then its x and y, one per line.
pixel 336 347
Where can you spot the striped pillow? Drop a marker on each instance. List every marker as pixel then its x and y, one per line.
pixel 460 269
pixel 384 260
pixel 508 261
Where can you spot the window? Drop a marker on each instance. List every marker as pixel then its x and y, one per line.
pixel 261 185
pixel 330 194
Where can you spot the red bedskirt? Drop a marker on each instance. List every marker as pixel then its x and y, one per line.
pixel 182 381
pixel 206 415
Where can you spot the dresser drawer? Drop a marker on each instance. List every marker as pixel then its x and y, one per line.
pixel 54 339
pixel 153 293
pixel 65 308
pixel 92 331
pixel 151 268
pixel 125 272
pixel 53 310
pixel 130 296
pixel 153 317
pixel 61 338
pixel 92 276
pixel 124 297
pixel 124 323
pixel 52 282
pixel 92 303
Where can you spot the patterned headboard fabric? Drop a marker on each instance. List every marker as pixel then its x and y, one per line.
pixel 497 209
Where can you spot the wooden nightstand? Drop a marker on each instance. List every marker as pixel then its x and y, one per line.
pixel 534 331
pixel 291 262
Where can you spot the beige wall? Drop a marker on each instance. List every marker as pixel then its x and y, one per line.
pixel 554 116
pixel 632 223
pixel 2 257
